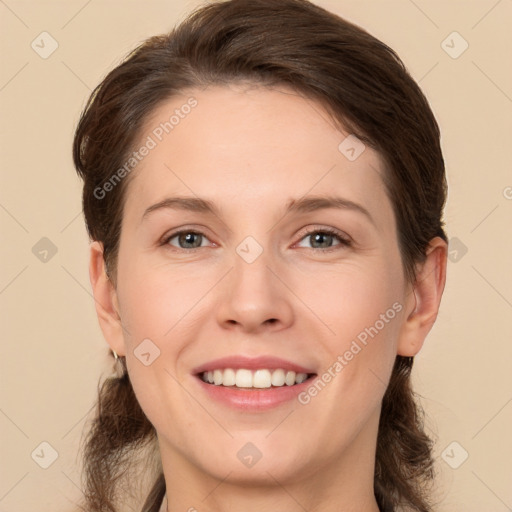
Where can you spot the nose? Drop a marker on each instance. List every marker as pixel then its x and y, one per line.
pixel 254 297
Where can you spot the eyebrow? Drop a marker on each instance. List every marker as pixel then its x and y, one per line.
pixel 302 205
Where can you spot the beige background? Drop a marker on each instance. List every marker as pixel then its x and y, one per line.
pixel 52 349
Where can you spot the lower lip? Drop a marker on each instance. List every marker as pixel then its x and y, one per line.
pixel 253 399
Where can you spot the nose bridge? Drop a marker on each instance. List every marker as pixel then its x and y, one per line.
pixel 251 276
pixel 250 250
pixel 253 296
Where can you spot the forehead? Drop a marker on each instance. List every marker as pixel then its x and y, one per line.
pixel 246 144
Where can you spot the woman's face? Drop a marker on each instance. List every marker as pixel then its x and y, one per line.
pixel 257 281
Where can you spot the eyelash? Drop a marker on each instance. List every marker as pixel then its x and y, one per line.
pixel 344 241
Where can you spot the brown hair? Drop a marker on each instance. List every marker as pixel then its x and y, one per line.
pixel 366 89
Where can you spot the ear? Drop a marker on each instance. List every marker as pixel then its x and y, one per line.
pixel 423 301
pixel 106 301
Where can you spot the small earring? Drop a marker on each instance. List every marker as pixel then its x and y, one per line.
pixel 116 357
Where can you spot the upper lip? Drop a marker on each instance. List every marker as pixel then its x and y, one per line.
pixel 251 363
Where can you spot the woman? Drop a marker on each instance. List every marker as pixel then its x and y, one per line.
pixel 263 188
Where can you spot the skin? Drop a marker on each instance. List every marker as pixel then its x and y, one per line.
pixel 250 150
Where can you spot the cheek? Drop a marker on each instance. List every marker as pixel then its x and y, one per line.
pixel 353 299
pixel 154 302
pixel 364 312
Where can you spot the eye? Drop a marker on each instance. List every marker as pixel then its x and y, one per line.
pixel 190 239
pixel 324 238
pixel 187 239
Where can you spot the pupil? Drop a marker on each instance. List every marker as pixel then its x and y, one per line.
pixel 187 238
pixel 322 235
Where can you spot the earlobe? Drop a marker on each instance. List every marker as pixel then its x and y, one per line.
pixel 426 295
pixel 105 299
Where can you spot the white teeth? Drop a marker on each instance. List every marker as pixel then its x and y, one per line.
pixel 278 378
pixel 262 379
pixel 244 378
pixel 229 377
pixel 290 378
pixel 217 377
pixel 301 377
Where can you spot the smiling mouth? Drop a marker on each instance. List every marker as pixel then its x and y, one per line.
pixel 254 379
